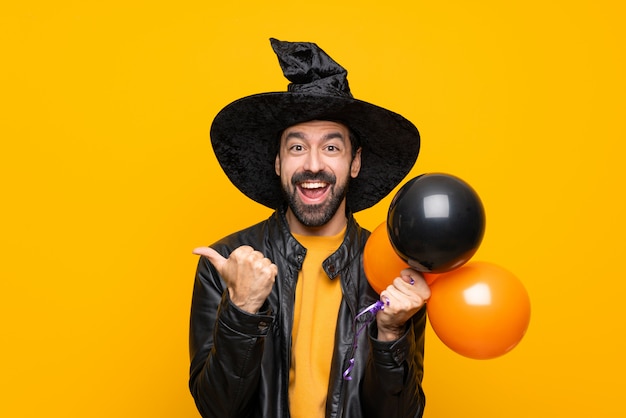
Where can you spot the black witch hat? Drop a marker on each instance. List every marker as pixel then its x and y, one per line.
pixel 245 133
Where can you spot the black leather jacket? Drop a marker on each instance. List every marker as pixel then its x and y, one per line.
pixel 240 362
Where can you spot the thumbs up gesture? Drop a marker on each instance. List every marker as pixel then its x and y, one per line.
pixel 248 274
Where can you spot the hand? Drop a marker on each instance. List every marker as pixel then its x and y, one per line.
pixel 402 299
pixel 249 276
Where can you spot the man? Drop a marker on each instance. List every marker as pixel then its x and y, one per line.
pixel 276 310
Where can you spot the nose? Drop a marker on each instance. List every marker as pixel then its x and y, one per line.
pixel 313 162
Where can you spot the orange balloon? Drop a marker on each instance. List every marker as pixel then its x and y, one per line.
pixel 430 277
pixel 479 310
pixel 380 261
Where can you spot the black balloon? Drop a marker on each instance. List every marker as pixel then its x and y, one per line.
pixel 436 222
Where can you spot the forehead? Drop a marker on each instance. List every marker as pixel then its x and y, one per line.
pixel 316 128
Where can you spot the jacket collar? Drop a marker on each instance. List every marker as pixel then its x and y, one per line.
pixel 336 262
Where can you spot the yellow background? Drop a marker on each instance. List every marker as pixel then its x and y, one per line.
pixel 108 181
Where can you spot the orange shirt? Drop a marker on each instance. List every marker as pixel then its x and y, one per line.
pixel 313 335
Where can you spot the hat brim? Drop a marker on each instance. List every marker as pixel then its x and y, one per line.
pixel 245 136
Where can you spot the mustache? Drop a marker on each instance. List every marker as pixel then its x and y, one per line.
pixel 310 176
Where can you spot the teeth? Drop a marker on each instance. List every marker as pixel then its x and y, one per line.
pixel 313 185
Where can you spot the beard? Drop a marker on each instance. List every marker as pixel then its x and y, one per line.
pixel 319 214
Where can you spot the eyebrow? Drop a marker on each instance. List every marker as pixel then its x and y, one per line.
pixel 301 135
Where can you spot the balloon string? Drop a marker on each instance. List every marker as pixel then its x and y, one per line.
pixel 373 308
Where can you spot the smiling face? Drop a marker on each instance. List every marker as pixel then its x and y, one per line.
pixel 315 163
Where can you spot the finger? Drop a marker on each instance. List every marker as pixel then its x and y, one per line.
pixel 274 270
pixel 415 278
pixel 411 274
pixel 264 264
pixel 419 292
pixel 213 256
pixel 421 288
pixel 390 296
pixel 269 266
pixel 406 284
pixel 408 279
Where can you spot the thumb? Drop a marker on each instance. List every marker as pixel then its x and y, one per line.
pixel 214 257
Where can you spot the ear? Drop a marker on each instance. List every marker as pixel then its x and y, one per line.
pixel 277 165
pixel 355 166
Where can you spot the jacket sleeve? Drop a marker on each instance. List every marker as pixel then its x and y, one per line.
pixel 226 346
pixel 392 385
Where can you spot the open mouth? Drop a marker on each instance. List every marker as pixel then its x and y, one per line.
pixel 313 191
